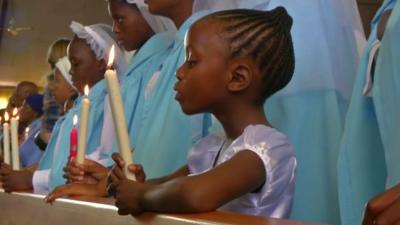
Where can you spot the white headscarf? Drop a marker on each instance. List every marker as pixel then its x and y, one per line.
pixel 63 65
pixel 157 23
pixel 218 5
pixel 100 38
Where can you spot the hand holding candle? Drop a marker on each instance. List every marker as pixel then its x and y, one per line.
pixel 14 140
pixel 118 113
pixel 83 127
pixel 6 139
pixel 73 139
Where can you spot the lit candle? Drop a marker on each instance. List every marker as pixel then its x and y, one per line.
pixel 14 140
pixel 118 113
pixel 26 135
pixel 83 127
pixel 6 139
pixel 73 139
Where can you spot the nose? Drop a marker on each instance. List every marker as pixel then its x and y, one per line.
pixel 180 72
pixel 115 28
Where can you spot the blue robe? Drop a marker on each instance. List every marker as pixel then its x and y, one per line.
pixel 311 109
pixel 144 64
pixel 386 95
pixel 29 152
pixel 57 151
pixel 361 164
pixel 164 133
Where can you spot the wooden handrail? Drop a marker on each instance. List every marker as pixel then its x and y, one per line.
pixel 30 209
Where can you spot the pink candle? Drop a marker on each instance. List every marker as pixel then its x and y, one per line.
pixel 73 139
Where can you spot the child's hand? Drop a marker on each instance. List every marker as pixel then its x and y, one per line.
pixel 384 209
pixel 128 194
pixel 136 169
pixel 15 180
pixel 74 189
pixel 90 172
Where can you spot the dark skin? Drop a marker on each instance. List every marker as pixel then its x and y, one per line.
pixel 16 180
pixel 27 114
pixel 209 81
pixel 384 209
pixel 125 26
pixel 178 11
pixel 85 68
pixel 129 25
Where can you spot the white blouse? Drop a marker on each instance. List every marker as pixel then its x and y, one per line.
pixel 275 197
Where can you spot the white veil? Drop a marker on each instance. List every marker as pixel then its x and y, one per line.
pixel 157 23
pixel 218 5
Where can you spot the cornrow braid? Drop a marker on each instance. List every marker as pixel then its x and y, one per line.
pixel 265 37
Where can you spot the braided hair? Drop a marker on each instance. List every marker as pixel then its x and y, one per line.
pixel 265 37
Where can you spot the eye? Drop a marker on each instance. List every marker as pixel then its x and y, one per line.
pixel 120 20
pixel 191 63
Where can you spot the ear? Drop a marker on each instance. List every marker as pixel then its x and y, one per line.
pixel 240 77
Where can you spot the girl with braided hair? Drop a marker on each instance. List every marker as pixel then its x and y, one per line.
pixel 235 60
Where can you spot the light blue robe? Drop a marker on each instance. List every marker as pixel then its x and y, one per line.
pixel 386 94
pixel 144 64
pixel 361 164
pixel 165 133
pixel 311 109
pixel 57 151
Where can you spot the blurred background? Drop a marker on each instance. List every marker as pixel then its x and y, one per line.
pixel 28 27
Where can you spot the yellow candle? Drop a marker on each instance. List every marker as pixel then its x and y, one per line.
pixel 80 157
pixel 14 140
pixel 6 140
pixel 118 114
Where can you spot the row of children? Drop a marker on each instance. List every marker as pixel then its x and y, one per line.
pixel 227 63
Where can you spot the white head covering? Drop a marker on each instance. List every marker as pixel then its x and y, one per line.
pixel 100 38
pixel 63 65
pixel 157 23
pixel 218 5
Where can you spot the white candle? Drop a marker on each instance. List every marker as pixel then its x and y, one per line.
pixel 26 135
pixel 14 140
pixel 118 113
pixel 6 140
pixel 80 157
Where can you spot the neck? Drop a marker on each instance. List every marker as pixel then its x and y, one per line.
pixel 235 118
pixel 182 13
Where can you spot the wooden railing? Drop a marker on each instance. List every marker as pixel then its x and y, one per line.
pixel 30 209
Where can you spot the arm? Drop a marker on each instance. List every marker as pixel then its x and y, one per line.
pixel 384 209
pixel 244 173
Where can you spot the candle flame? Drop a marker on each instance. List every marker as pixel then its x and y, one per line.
pixel 86 90
pixel 17 118
pixel 27 130
pixel 15 111
pixel 75 120
pixel 6 116
pixel 111 57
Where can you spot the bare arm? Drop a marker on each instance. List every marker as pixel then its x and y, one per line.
pixel 243 173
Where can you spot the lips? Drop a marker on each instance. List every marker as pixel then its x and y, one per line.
pixel 178 95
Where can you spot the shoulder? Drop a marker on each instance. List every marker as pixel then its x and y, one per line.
pixel 265 141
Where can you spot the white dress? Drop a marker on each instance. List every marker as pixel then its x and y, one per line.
pixel 275 197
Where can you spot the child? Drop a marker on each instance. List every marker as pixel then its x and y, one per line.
pixel 235 60
pixel 88 54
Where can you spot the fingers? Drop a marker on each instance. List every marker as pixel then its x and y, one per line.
pixel 118 159
pixel 384 200
pixel 60 191
pixel 137 169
